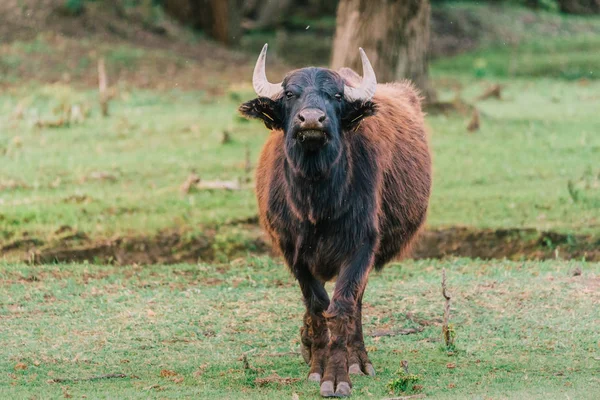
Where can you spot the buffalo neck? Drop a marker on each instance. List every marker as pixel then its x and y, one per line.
pixel 319 194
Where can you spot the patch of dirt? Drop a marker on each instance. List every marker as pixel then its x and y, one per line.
pixel 172 247
pixel 164 248
pixel 514 244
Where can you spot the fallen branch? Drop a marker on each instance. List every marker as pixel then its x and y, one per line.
pixel 286 354
pixel 421 321
pixel 389 332
pixel 218 185
pixel 457 105
pixel 57 123
pixel 414 396
pixel 93 378
pixel 274 378
pixel 193 182
pixel 492 91
pixel 189 183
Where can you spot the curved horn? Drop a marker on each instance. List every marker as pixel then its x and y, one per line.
pixel 369 82
pixel 262 86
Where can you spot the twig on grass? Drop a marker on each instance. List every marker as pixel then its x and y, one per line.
pixel 447 330
pixel 92 378
pixel 407 331
pixel 191 181
pixel 285 354
pixel 421 321
pixel 275 378
pixel 218 185
pixel 492 91
pixel 414 396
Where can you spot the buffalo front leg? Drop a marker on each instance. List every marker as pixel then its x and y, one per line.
pixel 341 321
pixel 313 333
pixel 358 359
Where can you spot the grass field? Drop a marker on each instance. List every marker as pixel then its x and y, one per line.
pixel 523 330
pixel 123 174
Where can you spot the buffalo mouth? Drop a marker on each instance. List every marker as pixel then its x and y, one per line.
pixel 312 135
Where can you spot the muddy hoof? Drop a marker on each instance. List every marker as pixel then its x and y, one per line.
pixel 370 369
pixel 314 377
pixel 343 389
pixel 327 389
pixel 355 370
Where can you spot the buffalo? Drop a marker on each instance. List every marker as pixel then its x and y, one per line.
pixel 343 186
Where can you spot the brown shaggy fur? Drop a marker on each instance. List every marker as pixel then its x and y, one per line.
pixel 341 221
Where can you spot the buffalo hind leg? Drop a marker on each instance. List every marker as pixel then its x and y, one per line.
pixel 358 359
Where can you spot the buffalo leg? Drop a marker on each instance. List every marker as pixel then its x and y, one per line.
pixel 358 359
pixel 313 333
pixel 341 321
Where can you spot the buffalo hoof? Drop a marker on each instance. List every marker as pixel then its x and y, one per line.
pixel 314 377
pixel 355 370
pixel 370 369
pixel 327 389
pixel 343 389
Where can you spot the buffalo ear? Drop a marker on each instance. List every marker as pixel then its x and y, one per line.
pixel 265 109
pixel 356 111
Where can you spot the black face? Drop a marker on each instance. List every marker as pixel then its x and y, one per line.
pixel 314 116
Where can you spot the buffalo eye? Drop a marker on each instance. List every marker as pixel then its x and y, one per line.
pixel 289 95
pixel 338 96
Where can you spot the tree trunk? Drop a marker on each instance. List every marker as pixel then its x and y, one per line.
pixel 393 33
pixel 226 20
pixel 220 19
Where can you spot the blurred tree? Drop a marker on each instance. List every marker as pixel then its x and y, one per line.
pixel 393 33
pixel 267 14
pixel 579 6
pixel 220 19
pixel 224 20
pixel 261 14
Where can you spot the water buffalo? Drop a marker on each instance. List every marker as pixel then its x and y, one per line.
pixel 343 186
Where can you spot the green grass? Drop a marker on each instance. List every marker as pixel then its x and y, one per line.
pixel 533 163
pixel 564 58
pixel 514 172
pixel 523 330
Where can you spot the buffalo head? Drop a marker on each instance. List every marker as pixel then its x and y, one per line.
pixel 314 108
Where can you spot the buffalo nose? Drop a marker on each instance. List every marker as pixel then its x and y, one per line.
pixel 311 118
